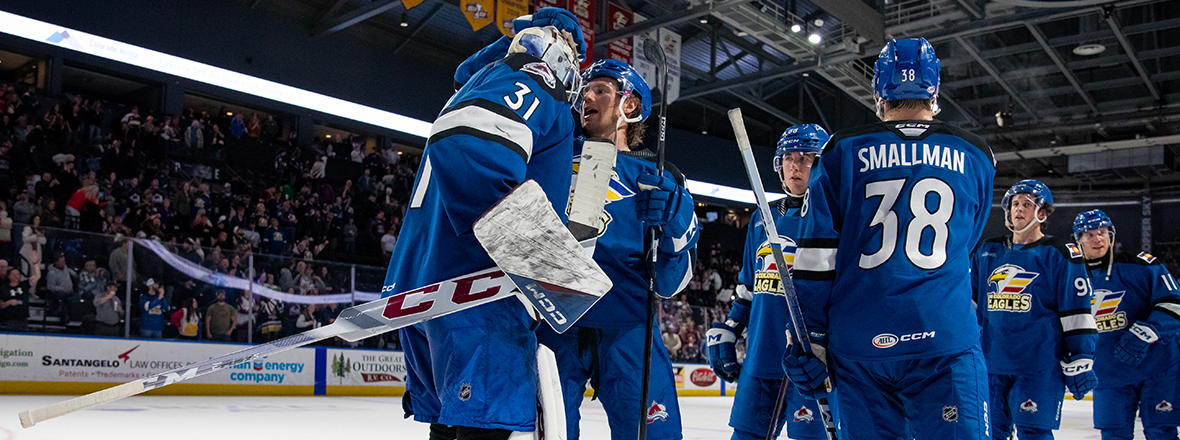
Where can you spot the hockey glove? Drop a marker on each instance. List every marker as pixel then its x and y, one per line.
pixel 1132 348
pixel 807 371
pixel 1079 374
pixel 559 18
pixel 722 350
pixel 658 204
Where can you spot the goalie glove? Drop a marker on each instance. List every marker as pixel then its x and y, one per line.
pixel 807 371
pixel 559 18
pixel 1079 374
pixel 1132 347
pixel 722 350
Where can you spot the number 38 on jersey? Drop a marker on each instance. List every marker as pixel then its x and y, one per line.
pixel 926 209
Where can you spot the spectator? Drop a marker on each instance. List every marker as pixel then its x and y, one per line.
pixel 237 126
pixel 270 128
pixel 153 306
pixel 273 240
pixel 388 241
pixel 319 168
pixel 119 261
pixel 187 320
pixel 307 319
pixel 92 279
pixel 270 311
pixel 350 233
pixel 194 136
pixel 14 303
pixel 672 342
pixel 59 279
pixel 30 252
pixel 220 319
pixel 6 245
pixel 108 311
pixel 246 307
pixel 23 208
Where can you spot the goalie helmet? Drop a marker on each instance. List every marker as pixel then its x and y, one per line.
pixel 807 138
pixel 556 49
pixel 1089 221
pixel 629 83
pixel 906 69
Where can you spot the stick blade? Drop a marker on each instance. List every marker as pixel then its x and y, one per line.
pixel 653 52
pixel 26 420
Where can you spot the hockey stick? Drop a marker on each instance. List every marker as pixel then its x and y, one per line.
pixel 655 54
pixel 560 272
pixel 798 326
pixel 593 173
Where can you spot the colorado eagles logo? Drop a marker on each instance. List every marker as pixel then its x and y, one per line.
pixel 1028 406
pixel 766 278
pixel 1008 283
pixel 541 70
pixel 656 412
pixel 804 415
pixel 1163 406
pixel 1106 314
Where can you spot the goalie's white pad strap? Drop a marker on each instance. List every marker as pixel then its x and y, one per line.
pixel 742 292
pixel 1077 367
pixel 551 402
pixel 1145 333
pixel 717 336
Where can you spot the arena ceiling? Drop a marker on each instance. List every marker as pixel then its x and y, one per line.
pixel 1040 80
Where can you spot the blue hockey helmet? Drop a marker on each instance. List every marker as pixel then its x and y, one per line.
pixel 906 69
pixel 1039 192
pixel 629 83
pixel 556 50
pixel 1089 221
pixel 806 138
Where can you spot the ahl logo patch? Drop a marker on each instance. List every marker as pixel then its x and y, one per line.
pixel 542 70
pixel 804 415
pixel 656 411
pixel 464 392
pixel 950 413
pixel 1028 406
pixel 1074 251
pixel 1147 257
pixel 1163 407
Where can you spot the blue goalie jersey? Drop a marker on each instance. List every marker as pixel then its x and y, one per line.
pixel 1129 290
pixel 508 124
pixel 620 250
pixel 893 209
pixel 1033 303
pixel 768 309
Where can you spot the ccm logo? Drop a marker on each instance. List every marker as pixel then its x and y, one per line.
pixel 886 340
pixel 422 299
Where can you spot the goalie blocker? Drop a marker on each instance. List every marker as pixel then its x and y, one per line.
pixel 565 282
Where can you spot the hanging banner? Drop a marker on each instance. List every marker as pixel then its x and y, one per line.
pixel 538 4
pixel 618 17
pixel 584 10
pixel 670 41
pixel 478 12
pixel 411 3
pixel 507 10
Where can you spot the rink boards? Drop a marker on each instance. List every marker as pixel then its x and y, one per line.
pixel 44 364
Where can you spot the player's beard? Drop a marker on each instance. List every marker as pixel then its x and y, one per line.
pixel 603 123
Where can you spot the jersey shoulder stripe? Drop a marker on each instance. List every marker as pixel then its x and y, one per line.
pixel 487 120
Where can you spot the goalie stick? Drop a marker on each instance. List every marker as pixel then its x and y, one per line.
pixel 564 274
pixel 798 326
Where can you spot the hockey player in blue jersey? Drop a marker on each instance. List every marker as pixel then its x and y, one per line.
pixel 881 268
pixel 1137 309
pixel 760 310
pixel 1034 305
pixel 473 374
pixel 606 346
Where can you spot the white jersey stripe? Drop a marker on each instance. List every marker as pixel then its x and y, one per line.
pixel 1081 321
pixel 487 121
pixel 815 259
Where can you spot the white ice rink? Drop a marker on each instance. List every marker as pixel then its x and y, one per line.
pixel 331 418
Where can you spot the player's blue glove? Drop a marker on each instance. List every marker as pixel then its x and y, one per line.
pixel 1079 374
pixel 722 350
pixel 1132 347
pixel 807 371
pixel 659 203
pixel 559 18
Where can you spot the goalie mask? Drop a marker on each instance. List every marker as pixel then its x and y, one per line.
pixel 629 83
pixel 906 69
pixel 556 49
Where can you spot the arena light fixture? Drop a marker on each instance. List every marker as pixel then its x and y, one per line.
pixel 90 44
pixel 814 38
pixel 796 28
pixel 78 41
pixel 1089 50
